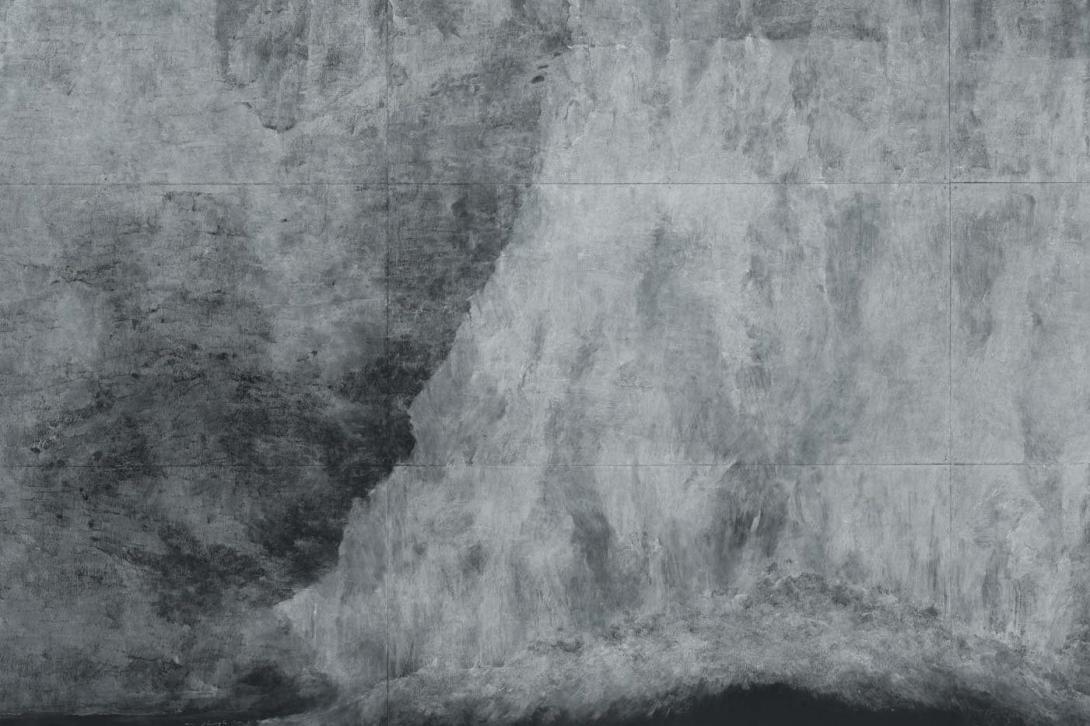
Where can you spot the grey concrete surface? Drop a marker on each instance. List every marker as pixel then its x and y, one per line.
pixel 487 361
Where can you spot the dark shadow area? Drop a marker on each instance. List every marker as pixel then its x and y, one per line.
pixel 767 705
pixel 187 719
pixel 204 465
pixel 202 719
pixel 263 694
pixel 781 705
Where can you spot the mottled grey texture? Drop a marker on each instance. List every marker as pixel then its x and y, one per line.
pixel 200 370
pixel 697 435
pixel 1019 108
pixel 1021 303
pixel 487 360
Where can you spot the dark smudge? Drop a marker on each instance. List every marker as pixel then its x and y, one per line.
pixel 979 260
pixel 968 129
pixel 173 467
pixel 1059 29
pixel 854 236
pixel 267 50
pixel 982 28
pixel 752 512
pixel 448 240
pixel 784 19
pixel 776 20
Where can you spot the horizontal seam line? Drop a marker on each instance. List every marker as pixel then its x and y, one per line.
pixel 529 183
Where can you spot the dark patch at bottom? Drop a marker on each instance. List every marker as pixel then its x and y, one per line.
pixel 202 718
pixel 264 693
pixel 765 705
pixel 776 705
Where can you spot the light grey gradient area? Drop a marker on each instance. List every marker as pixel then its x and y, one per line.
pixel 544 362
